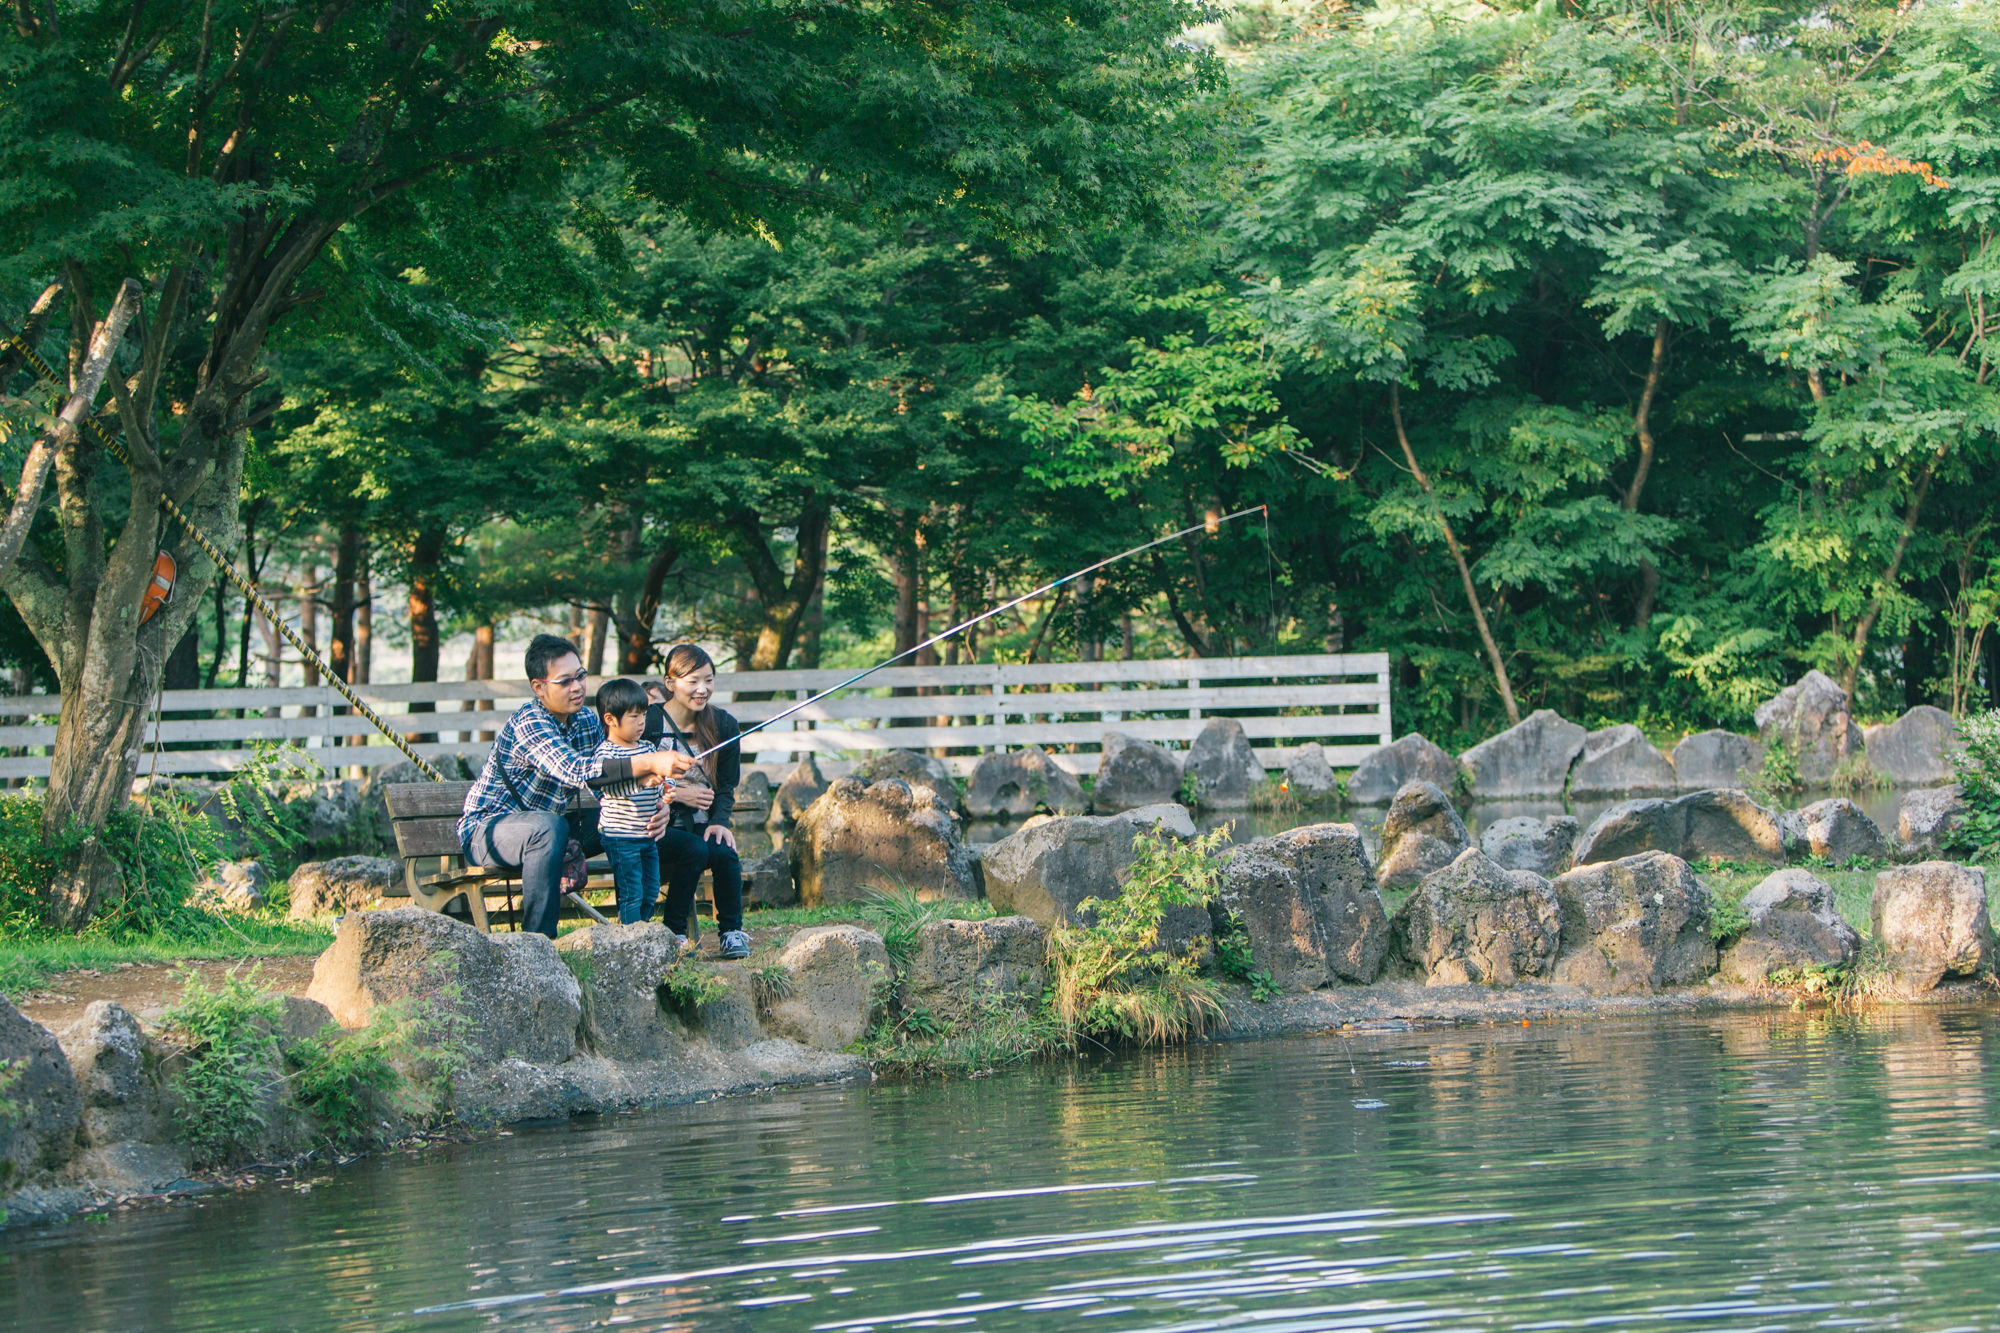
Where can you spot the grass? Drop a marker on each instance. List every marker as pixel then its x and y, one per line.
pixel 26 963
pixel 879 911
pixel 1852 884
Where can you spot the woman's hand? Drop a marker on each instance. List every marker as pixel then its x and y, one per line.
pixel 691 795
pixel 717 833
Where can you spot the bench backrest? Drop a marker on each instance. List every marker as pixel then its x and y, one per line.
pixel 425 816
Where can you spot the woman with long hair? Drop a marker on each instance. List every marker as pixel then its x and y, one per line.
pixel 703 799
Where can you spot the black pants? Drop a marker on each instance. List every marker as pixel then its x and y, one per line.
pixel 683 856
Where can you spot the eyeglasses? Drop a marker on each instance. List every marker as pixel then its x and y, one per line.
pixel 564 682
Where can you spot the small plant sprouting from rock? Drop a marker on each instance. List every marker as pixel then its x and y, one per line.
pixel 1856 777
pixel 1114 978
pixel 231 1064
pixel 1726 919
pixel 693 987
pixel 1777 778
pixel 902 914
pixel 1234 960
pixel 353 1083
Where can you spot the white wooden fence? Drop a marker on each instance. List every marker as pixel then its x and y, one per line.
pixel 1339 700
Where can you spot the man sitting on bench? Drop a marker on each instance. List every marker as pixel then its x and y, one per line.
pixel 544 754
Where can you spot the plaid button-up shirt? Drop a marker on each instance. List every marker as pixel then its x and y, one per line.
pixel 546 760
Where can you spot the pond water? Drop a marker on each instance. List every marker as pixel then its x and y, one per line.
pixel 1770 1171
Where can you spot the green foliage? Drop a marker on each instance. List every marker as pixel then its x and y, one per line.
pixel 1855 776
pixel 693 986
pixel 1112 978
pixel 354 1082
pixel 770 983
pixel 1234 960
pixel 255 797
pixel 901 914
pixel 1977 767
pixel 1777 777
pixel 991 1035
pixel 28 962
pixel 164 849
pixel 1726 918
pixel 230 1076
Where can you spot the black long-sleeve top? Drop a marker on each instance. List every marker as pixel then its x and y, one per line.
pixel 728 760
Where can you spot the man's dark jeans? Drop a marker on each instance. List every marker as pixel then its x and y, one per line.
pixel 533 842
pixel 684 855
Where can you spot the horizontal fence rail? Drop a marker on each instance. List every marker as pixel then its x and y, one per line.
pixel 1338 700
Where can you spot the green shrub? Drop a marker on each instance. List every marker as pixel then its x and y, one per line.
pixel 1726 919
pixel 1113 978
pixel 353 1081
pixel 1977 767
pixel 693 987
pixel 1855 776
pixel 164 850
pixel 230 1067
pixel 272 827
pixel 1778 776
pixel 901 914
pixel 1234 960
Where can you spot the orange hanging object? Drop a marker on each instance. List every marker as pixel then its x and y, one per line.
pixel 161 590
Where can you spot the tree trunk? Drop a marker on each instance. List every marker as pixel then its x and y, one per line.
pixel 346 564
pixel 1858 645
pixel 364 619
pixel 426 554
pixel 1499 664
pixel 635 622
pixel 595 633
pixel 309 619
pixel 782 601
pixel 1642 418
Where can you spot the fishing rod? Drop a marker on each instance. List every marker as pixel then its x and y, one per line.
pixel 1207 525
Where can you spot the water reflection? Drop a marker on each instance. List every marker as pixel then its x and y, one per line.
pixel 1784 1170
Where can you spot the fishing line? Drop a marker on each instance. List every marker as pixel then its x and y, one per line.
pixel 1051 586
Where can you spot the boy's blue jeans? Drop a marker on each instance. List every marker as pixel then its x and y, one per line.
pixel 635 866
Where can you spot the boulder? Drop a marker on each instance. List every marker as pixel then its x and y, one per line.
pixel 513 1090
pixel 1377 779
pixel 1224 767
pixel 753 791
pixel 1619 759
pixel 117 1076
pixel 1021 782
pixel 767 881
pixel 40 1112
pixel 495 995
pixel 619 969
pixel 1811 719
pixel 1475 921
pixel 1793 925
pixel 1724 824
pixel 840 976
pixel 1632 925
pixel 1539 846
pixel 1931 919
pixel 344 884
pixel 1132 773
pixel 372 795
pixel 1915 750
pixel 1422 833
pixel 958 967
pixel 729 1022
pixel 1308 903
pixel 1308 775
pixel 861 837
pixel 912 767
pixel 795 795
pixel 1716 759
pixel 1530 758
pixel 232 886
pixel 330 813
pixel 1927 822
pixel 1044 869
pixel 1835 829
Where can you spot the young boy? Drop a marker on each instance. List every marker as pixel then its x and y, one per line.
pixel 625 807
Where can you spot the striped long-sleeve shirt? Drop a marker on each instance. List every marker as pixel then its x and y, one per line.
pixel 548 760
pixel 625 807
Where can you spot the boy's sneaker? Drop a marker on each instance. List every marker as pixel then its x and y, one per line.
pixel 735 944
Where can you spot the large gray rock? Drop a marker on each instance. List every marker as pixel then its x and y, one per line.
pixel 512 1090
pixel 1931 918
pixel 1308 903
pixel 1021 782
pixel 863 837
pixel 767 881
pixel 1309 776
pixel 330 813
pixel 372 791
pixel 1530 758
pixel 1377 779
pixel 1633 925
pixel 344 884
pixel 117 1068
pixel 1132 773
pixel 40 1113
pixel 1835 829
pixel 494 995
pixel 1710 759
pixel 1793 925
pixel 796 794
pixel 754 790
pixel 626 1014
pixel 1619 759
pixel 1422 833
pixel 1476 922
pixel 235 887
pixel 1043 870
pixel 959 967
pixel 840 977
pixel 913 767
pixel 1723 824
pixel 729 1022
pixel 1915 750
pixel 1539 846
pixel 1224 766
pixel 1927 823
pixel 1811 719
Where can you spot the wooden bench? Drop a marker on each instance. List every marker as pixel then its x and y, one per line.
pixel 424 816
